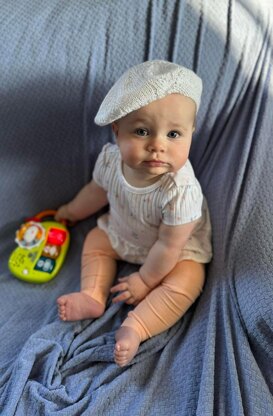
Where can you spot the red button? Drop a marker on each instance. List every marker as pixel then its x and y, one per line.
pixel 56 236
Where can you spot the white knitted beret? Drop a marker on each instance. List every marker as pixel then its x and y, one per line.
pixel 144 83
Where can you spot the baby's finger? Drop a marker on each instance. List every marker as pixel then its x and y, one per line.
pixel 130 301
pixel 122 297
pixel 120 287
pixel 123 279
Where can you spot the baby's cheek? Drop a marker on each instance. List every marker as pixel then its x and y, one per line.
pixel 180 157
pixel 132 155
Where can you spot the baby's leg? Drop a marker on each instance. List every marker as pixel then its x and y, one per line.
pixel 97 275
pixel 160 310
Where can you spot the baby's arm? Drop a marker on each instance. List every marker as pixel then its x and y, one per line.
pixel 161 259
pixel 88 201
pixel 165 253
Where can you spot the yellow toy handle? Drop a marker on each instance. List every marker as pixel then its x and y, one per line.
pixel 48 213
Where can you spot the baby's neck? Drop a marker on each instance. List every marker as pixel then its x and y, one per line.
pixel 138 180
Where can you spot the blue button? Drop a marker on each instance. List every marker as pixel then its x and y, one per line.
pixel 45 264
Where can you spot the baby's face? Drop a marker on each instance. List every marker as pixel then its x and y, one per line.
pixel 156 139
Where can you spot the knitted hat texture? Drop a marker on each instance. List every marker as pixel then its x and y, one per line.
pixel 145 83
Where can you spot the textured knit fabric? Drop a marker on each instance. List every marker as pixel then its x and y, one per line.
pixel 58 61
pixel 145 83
pixel 136 213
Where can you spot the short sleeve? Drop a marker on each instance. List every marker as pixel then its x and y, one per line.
pixel 101 165
pixel 183 205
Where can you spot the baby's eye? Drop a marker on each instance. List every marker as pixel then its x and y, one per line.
pixel 142 132
pixel 173 134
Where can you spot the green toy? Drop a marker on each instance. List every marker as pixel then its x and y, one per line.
pixel 42 248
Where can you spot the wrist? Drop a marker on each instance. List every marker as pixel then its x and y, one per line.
pixel 145 278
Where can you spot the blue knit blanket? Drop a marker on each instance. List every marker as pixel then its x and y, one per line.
pixel 57 61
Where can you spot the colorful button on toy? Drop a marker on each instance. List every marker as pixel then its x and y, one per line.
pixel 56 237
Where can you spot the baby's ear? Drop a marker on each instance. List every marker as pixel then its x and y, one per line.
pixel 115 128
pixel 194 125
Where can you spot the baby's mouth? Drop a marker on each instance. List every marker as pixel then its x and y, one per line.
pixel 155 163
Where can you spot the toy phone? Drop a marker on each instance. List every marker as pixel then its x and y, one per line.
pixel 42 248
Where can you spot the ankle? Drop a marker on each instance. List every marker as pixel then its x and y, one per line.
pixel 90 294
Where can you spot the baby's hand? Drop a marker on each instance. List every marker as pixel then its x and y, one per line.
pixel 63 213
pixel 132 289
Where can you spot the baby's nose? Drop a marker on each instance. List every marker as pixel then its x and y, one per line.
pixel 156 144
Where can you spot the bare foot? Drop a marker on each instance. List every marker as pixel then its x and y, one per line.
pixel 77 306
pixel 127 343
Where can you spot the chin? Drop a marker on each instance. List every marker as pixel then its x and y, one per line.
pixel 158 171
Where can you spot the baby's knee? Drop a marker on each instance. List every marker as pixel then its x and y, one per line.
pixel 186 273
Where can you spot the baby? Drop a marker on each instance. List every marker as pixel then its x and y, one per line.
pixel 158 217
